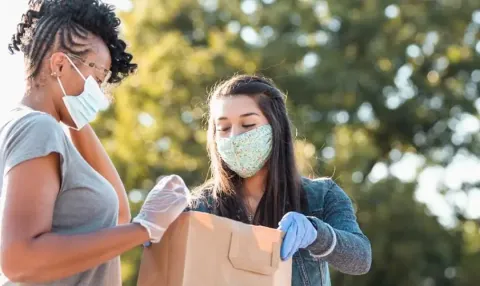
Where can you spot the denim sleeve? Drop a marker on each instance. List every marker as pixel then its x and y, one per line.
pixel 352 253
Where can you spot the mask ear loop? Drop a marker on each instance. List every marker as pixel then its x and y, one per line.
pixel 75 67
pixel 61 86
pixel 78 71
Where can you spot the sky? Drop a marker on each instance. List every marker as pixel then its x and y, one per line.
pixel 464 168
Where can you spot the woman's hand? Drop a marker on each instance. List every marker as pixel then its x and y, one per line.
pixel 165 202
pixel 300 233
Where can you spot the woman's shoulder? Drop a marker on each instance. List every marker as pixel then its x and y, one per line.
pixel 318 185
pixel 30 134
pixel 23 119
pixel 322 190
pixel 30 128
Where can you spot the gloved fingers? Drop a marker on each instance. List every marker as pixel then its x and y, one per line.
pixel 290 242
pixel 300 229
pixel 167 190
pixel 285 222
pixel 287 225
pixel 286 244
pixel 155 201
pixel 176 184
pixel 308 232
pixel 157 220
pixel 165 203
pixel 172 183
pixel 158 194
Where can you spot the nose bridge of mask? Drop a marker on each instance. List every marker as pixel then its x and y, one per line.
pixel 96 93
pixel 236 143
pixel 234 148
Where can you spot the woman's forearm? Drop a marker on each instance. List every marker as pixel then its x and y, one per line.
pixel 52 256
pixel 350 253
pixel 91 149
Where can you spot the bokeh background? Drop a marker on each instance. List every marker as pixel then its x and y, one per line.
pixel 384 96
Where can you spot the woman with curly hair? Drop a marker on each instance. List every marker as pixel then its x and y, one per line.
pixel 64 215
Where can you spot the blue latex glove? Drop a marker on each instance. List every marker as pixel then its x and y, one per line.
pixel 300 233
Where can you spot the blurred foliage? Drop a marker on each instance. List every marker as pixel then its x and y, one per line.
pixel 368 82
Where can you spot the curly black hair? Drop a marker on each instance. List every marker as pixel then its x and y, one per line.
pixel 62 25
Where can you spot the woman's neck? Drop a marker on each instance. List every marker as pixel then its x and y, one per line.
pixel 254 187
pixel 38 98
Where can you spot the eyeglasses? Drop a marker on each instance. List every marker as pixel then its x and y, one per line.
pixel 106 73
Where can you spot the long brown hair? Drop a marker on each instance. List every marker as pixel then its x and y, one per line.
pixel 283 191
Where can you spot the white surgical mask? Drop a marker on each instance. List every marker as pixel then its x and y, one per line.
pixel 84 107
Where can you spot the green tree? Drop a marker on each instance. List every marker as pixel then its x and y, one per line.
pixel 367 82
pixel 409 246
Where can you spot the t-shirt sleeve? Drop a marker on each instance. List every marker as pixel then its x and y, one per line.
pixel 34 136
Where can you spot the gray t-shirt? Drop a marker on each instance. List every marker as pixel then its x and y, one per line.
pixel 86 202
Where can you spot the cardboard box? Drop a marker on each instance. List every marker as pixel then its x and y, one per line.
pixel 200 249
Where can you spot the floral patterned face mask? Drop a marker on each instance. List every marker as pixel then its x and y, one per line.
pixel 247 153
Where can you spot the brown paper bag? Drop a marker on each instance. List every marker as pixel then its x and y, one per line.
pixel 200 249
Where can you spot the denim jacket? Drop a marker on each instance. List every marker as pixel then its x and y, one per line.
pixel 332 214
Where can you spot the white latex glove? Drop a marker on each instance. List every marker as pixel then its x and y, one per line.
pixel 165 202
